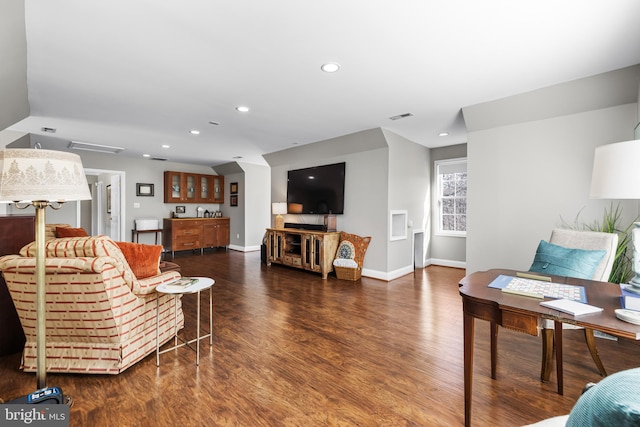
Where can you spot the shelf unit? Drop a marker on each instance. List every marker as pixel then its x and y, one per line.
pixel 185 187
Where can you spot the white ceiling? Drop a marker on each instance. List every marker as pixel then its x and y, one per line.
pixel 138 74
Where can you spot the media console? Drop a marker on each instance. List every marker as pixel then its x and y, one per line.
pixel 305 249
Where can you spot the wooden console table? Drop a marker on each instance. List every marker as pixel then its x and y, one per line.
pixel 523 314
pixel 305 249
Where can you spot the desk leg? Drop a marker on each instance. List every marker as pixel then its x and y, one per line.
pixel 468 366
pixel 559 370
pixel 494 348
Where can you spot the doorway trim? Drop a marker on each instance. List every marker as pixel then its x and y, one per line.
pixel 122 213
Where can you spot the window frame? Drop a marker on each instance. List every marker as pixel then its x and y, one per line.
pixel 439 198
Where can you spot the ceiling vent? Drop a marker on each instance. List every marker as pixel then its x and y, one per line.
pixel 161 159
pixel 77 145
pixel 401 116
pixel 48 130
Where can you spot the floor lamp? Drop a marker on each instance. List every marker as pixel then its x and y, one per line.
pixel 616 175
pixel 41 178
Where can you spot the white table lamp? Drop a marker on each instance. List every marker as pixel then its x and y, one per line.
pixel 41 178
pixel 616 175
pixel 278 209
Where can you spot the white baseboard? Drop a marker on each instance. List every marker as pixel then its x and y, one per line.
pixel 381 275
pixel 446 263
pixel 391 275
pixel 244 248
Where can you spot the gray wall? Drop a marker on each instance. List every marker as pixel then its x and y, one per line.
pixel 445 250
pixel 409 184
pixel 14 105
pixel 138 171
pixel 529 176
pixel 383 172
pixel 252 215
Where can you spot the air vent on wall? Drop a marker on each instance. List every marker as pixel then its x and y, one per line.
pixel 401 116
pixel 77 145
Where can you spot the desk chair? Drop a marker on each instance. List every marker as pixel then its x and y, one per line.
pixel 588 240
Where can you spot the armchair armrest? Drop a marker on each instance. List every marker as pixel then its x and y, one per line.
pixel 149 284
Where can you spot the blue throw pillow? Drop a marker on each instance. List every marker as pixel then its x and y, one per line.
pixel 614 401
pixel 561 261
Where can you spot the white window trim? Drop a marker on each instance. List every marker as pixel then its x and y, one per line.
pixel 438 202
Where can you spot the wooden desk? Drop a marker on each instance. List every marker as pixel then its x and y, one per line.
pixel 523 314
pixel 135 234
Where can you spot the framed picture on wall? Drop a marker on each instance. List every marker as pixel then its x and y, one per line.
pixel 180 209
pixel 144 189
pixel 233 201
pixel 108 199
pixel 233 187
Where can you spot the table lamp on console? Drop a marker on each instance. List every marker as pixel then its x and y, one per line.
pixel 278 209
pixel 41 178
pixel 616 175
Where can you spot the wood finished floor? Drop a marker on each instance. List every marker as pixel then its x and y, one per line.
pixel 290 349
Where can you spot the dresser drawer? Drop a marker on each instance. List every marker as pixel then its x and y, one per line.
pixel 183 243
pixel 178 232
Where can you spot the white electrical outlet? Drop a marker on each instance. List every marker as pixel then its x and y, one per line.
pixel 136 205
pixel 238 236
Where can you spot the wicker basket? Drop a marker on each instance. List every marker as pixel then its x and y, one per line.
pixel 347 273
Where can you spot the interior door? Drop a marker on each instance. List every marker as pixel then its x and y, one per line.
pixel 115 216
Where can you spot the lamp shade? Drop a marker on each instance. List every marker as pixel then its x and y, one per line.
pixel 28 175
pixel 616 174
pixel 279 208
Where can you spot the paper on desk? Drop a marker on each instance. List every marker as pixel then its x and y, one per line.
pixel 572 307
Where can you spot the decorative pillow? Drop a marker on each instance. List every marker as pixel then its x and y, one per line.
pixel 70 232
pixel 611 402
pixel 346 250
pixel 561 261
pixel 143 259
pixel 353 247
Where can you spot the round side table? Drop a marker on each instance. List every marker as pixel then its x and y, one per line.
pixel 202 283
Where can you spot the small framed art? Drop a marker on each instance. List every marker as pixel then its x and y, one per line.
pixel 180 209
pixel 233 201
pixel 233 188
pixel 144 189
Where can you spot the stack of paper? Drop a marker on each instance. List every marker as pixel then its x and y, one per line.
pixel 630 298
pixel 572 307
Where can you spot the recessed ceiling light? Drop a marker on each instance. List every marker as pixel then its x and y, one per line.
pixel 443 134
pixel 194 132
pixel 165 146
pixel 146 155
pixel 330 67
pixel 242 109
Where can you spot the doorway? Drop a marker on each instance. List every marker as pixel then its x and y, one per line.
pixel 105 212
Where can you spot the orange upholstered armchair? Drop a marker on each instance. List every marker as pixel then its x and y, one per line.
pixel 100 317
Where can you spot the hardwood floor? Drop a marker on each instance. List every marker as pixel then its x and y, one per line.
pixel 290 349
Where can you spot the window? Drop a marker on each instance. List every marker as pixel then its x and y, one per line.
pixel 451 181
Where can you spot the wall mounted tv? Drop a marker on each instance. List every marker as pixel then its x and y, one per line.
pixel 316 190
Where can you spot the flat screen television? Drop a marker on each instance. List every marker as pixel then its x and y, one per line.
pixel 316 190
